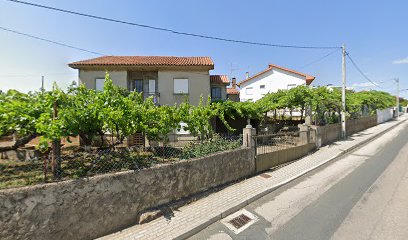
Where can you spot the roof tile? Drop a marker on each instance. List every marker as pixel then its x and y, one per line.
pixel 232 91
pixel 219 79
pixel 144 61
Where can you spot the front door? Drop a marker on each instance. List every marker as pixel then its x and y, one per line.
pixel 135 85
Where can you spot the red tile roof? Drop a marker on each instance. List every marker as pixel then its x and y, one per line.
pixel 144 61
pixel 232 91
pixel 309 79
pixel 219 79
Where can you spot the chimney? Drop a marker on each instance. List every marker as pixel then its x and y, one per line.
pixel 246 75
pixel 234 83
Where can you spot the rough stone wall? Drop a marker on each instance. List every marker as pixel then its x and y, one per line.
pixel 327 134
pixel 332 132
pixel 93 207
pixel 273 159
pixel 357 125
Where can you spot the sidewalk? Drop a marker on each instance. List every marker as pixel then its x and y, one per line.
pixel 196 216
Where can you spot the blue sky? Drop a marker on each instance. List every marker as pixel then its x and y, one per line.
pixel 374 32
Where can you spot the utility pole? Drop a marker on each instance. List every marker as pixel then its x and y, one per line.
pixel 42 84
pixel 397 96
pixel 56 148
pixel 343 93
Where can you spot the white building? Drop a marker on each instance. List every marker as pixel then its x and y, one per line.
pixel 271 80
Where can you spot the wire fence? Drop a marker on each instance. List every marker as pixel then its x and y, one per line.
pixel 74 162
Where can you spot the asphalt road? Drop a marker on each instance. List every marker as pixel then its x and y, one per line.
pixel 364 195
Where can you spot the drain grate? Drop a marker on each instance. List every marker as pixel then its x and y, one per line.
pixel 240 221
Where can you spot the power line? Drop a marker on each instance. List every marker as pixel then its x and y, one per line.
pixel 361 72
pixel 50 41
pixel 169 30
pixel 36 75
pixel 319 59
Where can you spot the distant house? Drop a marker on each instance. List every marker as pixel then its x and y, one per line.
pixel 271 80
pixel 233 92
pixel 168 79
pixel 219 85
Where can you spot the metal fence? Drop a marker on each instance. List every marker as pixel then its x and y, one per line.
pixel 266 143
pixel 74 162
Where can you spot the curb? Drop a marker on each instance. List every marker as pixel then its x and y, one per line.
pixel 235 208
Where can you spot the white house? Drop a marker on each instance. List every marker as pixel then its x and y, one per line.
pixel 271 80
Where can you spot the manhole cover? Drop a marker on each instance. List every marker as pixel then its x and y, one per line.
pixel 239 221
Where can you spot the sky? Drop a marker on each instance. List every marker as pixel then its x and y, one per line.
pixel 374 32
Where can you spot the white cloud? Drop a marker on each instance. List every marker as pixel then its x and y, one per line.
pixel 401 61
pixel 364 85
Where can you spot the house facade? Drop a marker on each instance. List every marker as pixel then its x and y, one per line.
pixel 271 80
pixel 219 85
pixel 168 79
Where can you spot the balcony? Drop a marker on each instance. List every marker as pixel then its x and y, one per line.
pixel 217 99
pixel 155 95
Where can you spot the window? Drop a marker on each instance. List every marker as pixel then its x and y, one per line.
pixel 180 86
pixel 216 93
pixel 152 86
pixel 290 86
pixel 99 84
pixel 138 86
pixel 249 90
pixel 262 86
pixel 135 85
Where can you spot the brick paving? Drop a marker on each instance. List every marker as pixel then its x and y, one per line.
pixel 194 217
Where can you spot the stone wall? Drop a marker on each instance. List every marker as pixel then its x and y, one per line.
pixel 327 134
pixel 357 125
pixel 269 160
pixel 93 207
pixel 332 132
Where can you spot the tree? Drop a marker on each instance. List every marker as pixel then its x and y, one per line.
pixel 371 100
pixel 119 112
pixel 197 118
pixel 82 114
pixel 298 98
pixel 89 113
pixel 19 115
pixel 49 127
pixel 159 121
pixel 325 102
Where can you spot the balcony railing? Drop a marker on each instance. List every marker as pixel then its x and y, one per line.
pixel 155 95
pixel 216 99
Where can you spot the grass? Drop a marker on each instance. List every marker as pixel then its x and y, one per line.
pixel 16 173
